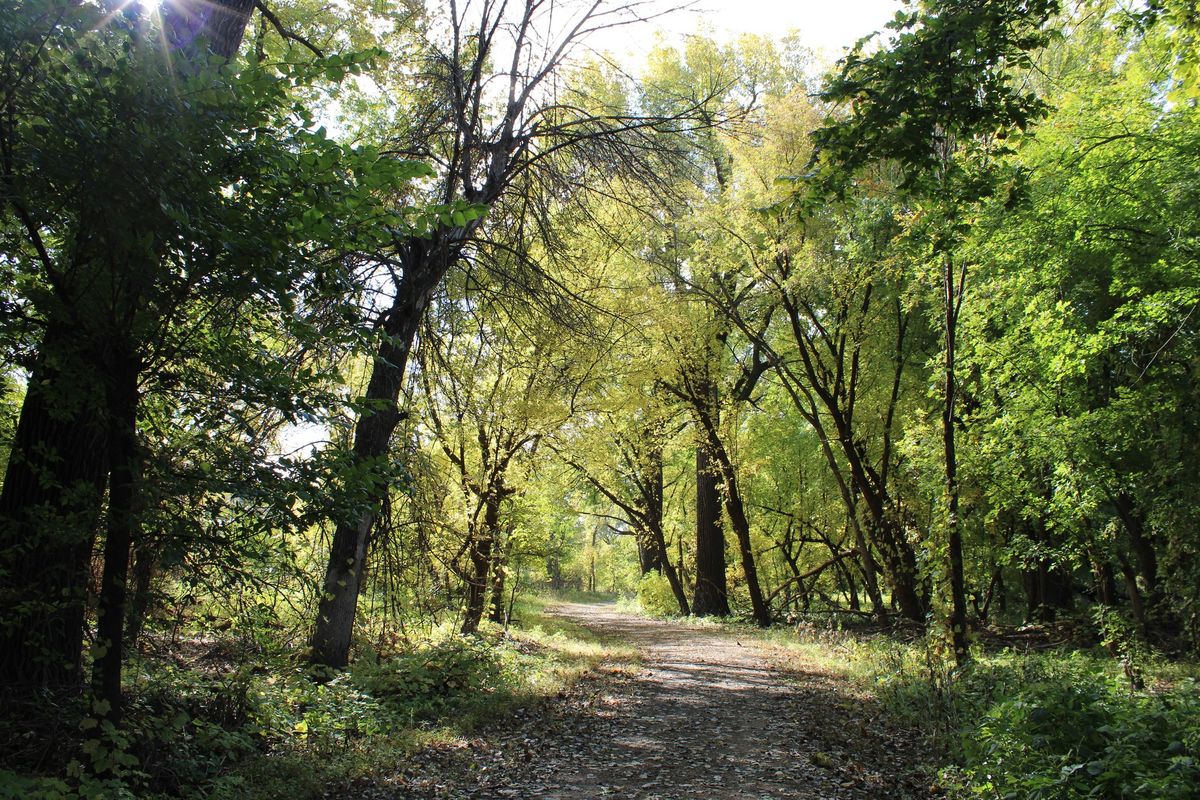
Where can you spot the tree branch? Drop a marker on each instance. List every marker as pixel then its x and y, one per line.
pixel 287 34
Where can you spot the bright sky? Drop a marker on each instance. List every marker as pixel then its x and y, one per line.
pixel 825 26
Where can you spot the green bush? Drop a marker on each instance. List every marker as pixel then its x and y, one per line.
pixel 1088 740
pixel 655 597
pixel 427 684
pixel 1049 727
pixel 293 707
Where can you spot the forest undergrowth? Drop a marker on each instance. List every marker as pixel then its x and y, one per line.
pixel 227 716
pixel 1038 713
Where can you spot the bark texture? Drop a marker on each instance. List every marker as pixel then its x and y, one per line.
pixel 483 541
pixel 954 545
pixel 711 598
pixel 121 532
pixel 735 512
pixel 372 438
pixel 49 507
pixel 219 24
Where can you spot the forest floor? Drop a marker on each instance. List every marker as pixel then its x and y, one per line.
pixel 705 712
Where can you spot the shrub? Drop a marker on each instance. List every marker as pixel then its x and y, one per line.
pixel 431 682
pixel 655 597
pixel 1089 740
pixel 1050 727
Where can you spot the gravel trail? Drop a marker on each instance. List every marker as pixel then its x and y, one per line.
pixel 705 715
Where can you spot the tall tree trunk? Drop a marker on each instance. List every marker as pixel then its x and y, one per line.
pixel 483 540
pixel 499 574
pixel 660 544
pixel 109 649
pixel 1134 592
pixel 882 528
pixel 901 567
pixel 652 518
pixel 958 595
pixel 477 582
pixel 49 506
pixel 220 24
pixel 58 468
pixel 711 597
pixel 869 569
pixel 735 510
pixel 1143 549
pixel 677 588
pixel 591 584
pixel 144 560
pixel 372 438
pixel 655 550
pixel 496 615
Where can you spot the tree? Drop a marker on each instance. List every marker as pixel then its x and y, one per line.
pixel 696 359
pixel 817 304
pixel 204 160
pixel 939 101
pixel 493 387
pixel 84 380
pixel 735 80
pixel 1087 336
pixel 634 481
pixel 491 150
pixel 841 357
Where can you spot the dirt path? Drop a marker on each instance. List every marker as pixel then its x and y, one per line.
pixel 705 716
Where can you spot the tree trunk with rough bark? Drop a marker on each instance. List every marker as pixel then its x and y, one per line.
pixel 649 515
pixel 735 511
pixel 49 507
pixel 483 541
pixel 711 598
pixel 650 555
pixel 144 566
pixel 1143 549
pixel 109 648
pixel 372 439
pixel 954 545
pixel 220 24
pixel 499 612
pixel 54 482
pixel 496 614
